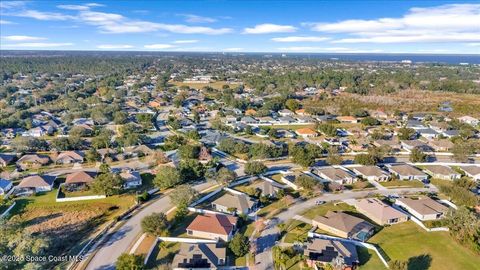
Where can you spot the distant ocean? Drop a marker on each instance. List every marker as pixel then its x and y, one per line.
pixel 415 58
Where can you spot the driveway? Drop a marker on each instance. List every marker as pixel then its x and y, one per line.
pixel 265 243
pixel 120 241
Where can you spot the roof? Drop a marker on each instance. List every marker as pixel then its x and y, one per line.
pixel 370 171
pixel 4 183
pixel 334 174
pixel 240 202
pixel 424 206
pixel 343 222
pixel 327 250
pixel 130 176
pixel 405 169
pixel 6 158
pixel 440 169
pixel 71 154
pixel 379 209
pixel 198 255
pixel 346 118
pixel 80 177
pixel 213 223
pixel 472 170
pixel 306 131
pixel 42 159
pixel 35 181
pixel 267 187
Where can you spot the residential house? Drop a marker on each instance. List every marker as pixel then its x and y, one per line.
pixel 428 133
pixel 131 179
pixel 472 171
pixel 409 145
pixel 380 212
pixel 6 159
pixel 285 112
pixel 139 150
pixel 36 183
pixel 415 124
pixel 33 161
pixel 233 203
pixel 423 208
pixel 200 256
pixel 347 119
pixel 337 175
pixel 268 188
pixel 204 156
pixel 5 186
pixel 323 252
pixel 213 226
pixel 344 225
pixel 442 172
pixel 407 172
pixel 306 132
pixel 80 179
pixel 371 173
pixel 393 144
pixel 442 145
pixel 469 120
pixel 68 157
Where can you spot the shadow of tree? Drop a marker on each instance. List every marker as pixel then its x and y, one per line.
pixel 421 262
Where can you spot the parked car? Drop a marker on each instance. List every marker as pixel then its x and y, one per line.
pixel 319 202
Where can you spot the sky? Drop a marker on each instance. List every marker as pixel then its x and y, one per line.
pixel 435 27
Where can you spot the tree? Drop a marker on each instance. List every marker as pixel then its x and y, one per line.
pixel 406 133
pixel 464 226
pixel 462 150
pixel 120 117
pixel 167 177
pixel 103 139
pixel 398 265
pixel 416 155
pixel 333 157
pixel 306 182
pixel 155 224
pixel 188 151
pixel 224 176
pixel 292 104
pixel 183 195
pixel 365 159
pixel 108 184
pixel 255 168
pixel 191 169
pixel 239 245
pixel 130 262
pixel 91 155
pixel 370 121
pixel 328 129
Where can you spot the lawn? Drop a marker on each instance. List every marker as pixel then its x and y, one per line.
pixel 163 254
pixel 424 250
pixel 272 209
pixel 401 183
pixel 369 259
pixel 323 209
pixel 296 231
pixel 80 193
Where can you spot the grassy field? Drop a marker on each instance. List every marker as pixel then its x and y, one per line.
pixel 296 231
pixel 401 183
pixel 423 250
pixel 369 260
pixel 323 209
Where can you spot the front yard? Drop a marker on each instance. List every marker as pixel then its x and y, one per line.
pixel 402 183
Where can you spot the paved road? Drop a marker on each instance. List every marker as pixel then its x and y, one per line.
pixel 265 243
pixel 122 239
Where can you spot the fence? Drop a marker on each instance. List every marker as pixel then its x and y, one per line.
pixel 8 210
pixel 80 198
pixel 186 240
pixel 419 222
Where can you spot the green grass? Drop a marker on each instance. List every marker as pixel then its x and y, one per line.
pixel 163 254
pixel 369 259
pixel 406 241
pixel 80 193
pixel 402 183
pixel 296 231
pixel 323 209
pixel 272 209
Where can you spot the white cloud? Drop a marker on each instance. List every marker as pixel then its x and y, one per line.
pixel 192 18
pixel 6 22
pixel 267 28
pixel 44 16
pixel 185 41
pixel 445 23
pixel 301 49
pixel 37 45
pixel 299 39
pixel 114 46
pixel 73 7
pixel 159 46
pixel 11 4
pixel 233 49
pixel 22 38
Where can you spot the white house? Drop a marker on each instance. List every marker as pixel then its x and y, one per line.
pixel 423 208
pixel 407 172
pixel 371 173
pixel 469 120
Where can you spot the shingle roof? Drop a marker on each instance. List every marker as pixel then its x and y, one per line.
pixel 342 221
pixel 80 177
pixel 327 250
pixel 36 181
pixel 213 223
pixel 424 206
pixel 405 169
pixel 379 209
pixel 370 171
pixel 240 202
pixel 201 255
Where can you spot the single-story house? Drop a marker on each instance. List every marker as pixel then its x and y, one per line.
pixel 441 145
pixel 407 172
pixel 268 189
pixel 393 144
pixel 234 204
pixel 68 157
pixel 131 179
pixel 139 150
pixel 33 161
pixel 472 171
pixel 442 172
pixel 306 132
pixel 347 119
pixel 337 175
pixel 323 252
pixel 36 183
pixel 6 159
pixel 213 226
pixel 344 225
pixel 469 120
pixel 200 256
pixel 80 178
pixel 409 145
pixel 5 186
pixel 380 212
pixel 371 173
pixel 423 208
pixel 285 112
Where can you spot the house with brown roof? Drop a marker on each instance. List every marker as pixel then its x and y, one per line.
pixel 213 226
pixel 33 161
pixel 139 150
pixel 233 203
pixel 347 119
pixel 337 175
pixel 204 156
pixel 441 145
pixel 407 172
pixel 200 256
pixel 423 208
pixel 344 225
pixel 131 178
pixel 68 157
pixel 323 252
pixel 268 188
pixel 306 132
pixel 380 212
pixel 472 171
pixel 80 178
pixel 394 144
pixel 36 183
pixel 371 173
pixel 441 172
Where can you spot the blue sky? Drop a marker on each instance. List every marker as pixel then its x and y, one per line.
pixel 243 26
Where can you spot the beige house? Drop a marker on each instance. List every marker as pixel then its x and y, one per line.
pixel 337 175
pixel 442 172
pixel 323 252
pixel 213 226
pixel 234 204
pixel 344 225
pixel 68 157
pixel 423 208
pixel 380 212
pixel 371 173
pixel 200 256
pixel 407 172
pixel 472 171
pixel 33 161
